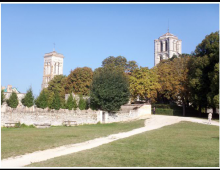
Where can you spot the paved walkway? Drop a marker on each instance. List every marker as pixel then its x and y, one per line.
pixel 155 122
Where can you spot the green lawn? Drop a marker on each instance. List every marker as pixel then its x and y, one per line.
pixel 184 144
pixel 18 141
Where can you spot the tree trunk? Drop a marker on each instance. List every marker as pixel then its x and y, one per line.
pixel 200 111
pixel 184 109
pixel 187 104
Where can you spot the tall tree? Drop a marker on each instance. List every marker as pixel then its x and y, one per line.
pixel 144 83
pixel 202 70
pixel 199 86
pixel 166 80
pixel 82 103
pixel 41 100
pixel 79 81
pixel 75 104
pixel 180 71
pixel 13 100
pixel 69 103
pixel 109 90
pixel 56 104
pixel 213 95
pixel 56 84
pixel 28 100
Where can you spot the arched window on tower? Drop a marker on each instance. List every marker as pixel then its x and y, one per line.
pixel 161 46
pixel 177 47
pixel 166 46
pixel 161 57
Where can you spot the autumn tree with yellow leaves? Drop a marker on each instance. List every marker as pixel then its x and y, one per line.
pixel 79 81
pixel 144 84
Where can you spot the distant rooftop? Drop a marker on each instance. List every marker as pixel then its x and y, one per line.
pixel 9 90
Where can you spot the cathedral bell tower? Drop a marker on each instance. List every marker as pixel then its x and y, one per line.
pixel 53 65
pixel 166 46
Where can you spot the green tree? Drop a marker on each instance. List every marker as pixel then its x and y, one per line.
pixel 82 103
pixel 74 104
pixel 56 104
pixel 41 100
pixel 56 84
pixel 69 103
pixel 202 71
pixel 28 100
pixel 144 83
pixel 213 95
pixel 180 73
pixel 120 63
pixel 131 66
pixel 79 81
pixel 115 61
pixel 109 90
pixel 13 100
pixel 2 96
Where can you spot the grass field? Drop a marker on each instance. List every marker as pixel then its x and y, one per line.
pixel 180 145
pixel 18 141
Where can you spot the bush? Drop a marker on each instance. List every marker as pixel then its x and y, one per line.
pixel 13 100
pixel 17 125
pixel 26 126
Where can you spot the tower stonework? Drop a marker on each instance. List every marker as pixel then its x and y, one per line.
pixel 53 65
pixel 166 46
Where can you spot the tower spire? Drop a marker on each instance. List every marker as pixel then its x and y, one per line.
pixel 53 46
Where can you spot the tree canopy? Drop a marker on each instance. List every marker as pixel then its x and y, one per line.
pixel 203 72
pixel 79 81
pixel 144 84
pixel 120 63
pixel 109 90
pixel 57 84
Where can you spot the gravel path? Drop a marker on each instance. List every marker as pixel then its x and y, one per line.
pixel 155 122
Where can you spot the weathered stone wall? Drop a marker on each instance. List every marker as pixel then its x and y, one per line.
pixel 33 115
pixel 127 113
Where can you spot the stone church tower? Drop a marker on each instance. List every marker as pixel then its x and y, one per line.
pixel 53 65
pixel 166 46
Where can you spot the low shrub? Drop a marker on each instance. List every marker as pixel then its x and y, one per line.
pixel 26 126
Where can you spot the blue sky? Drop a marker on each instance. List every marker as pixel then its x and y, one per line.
pixel 86 34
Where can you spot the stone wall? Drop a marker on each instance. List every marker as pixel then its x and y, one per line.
pixel 33 115
pixel 127 113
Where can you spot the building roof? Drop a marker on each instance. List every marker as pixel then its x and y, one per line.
pixel 13 89
pixel 53 53
pixel 167 35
